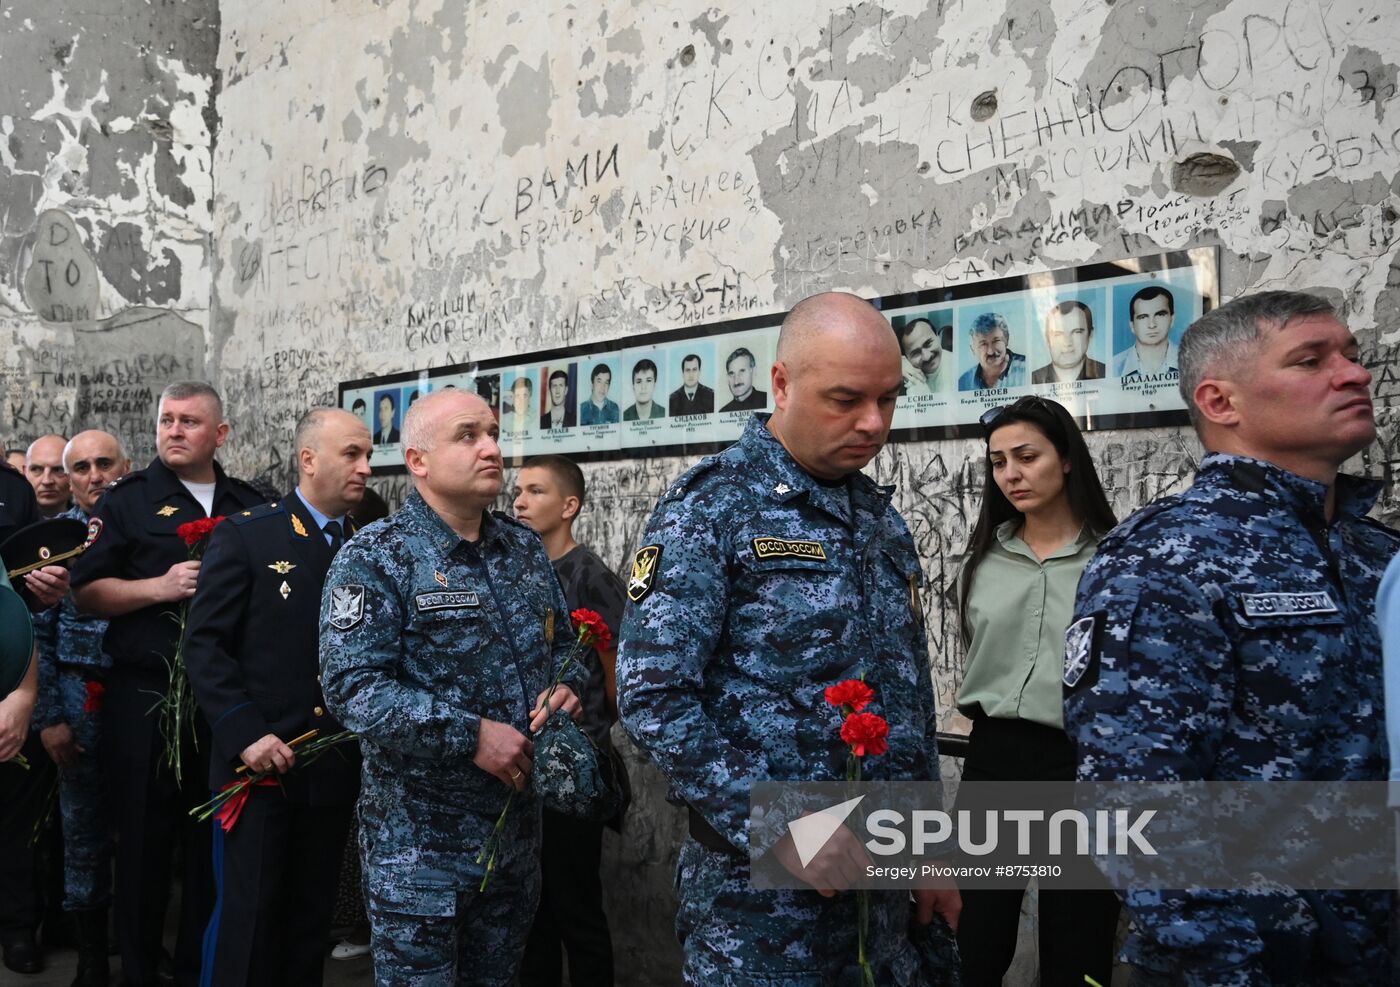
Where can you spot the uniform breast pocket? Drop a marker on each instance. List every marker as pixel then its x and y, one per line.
pixel 1291 636
pixel 444 641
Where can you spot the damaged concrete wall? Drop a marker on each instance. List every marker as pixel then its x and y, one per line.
pixel 106 134
pixel 528 176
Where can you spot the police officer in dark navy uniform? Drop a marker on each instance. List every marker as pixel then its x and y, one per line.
pixel 137 573
pixel 251 648
pixel 19 909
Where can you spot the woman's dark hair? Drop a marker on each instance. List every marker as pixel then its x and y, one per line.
pixel 1085 492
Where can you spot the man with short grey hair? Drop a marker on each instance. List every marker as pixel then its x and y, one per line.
pixel 997 364
pixel 1228 633
pixel 442 628
pixel 138 573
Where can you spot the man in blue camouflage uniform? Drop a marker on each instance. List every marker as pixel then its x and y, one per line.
pixel 767 573
pixel 1228 633
pixel 442 627
pixel 71 661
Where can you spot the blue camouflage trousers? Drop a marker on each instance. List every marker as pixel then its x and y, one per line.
pixel 430 926
pixel 735 935
pixel 87 841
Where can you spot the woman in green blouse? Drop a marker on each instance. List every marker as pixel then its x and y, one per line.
pixel 1043 512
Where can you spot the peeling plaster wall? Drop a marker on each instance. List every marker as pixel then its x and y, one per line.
pixel 106 134
pixel 526 176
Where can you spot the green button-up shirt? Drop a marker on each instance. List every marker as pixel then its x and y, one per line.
pixel 1017 610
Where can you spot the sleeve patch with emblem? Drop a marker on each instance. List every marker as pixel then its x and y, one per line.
pixel 1079 649
pixel 643 572
pixel 94 531
pixel 347 606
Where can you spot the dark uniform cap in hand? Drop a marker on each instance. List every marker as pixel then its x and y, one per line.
pixel 53 542
pixel 16 640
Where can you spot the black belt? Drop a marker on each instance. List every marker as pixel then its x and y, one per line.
pixel 709 837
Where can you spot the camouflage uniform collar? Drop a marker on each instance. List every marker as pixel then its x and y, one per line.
pixel 417 512
pixel 786 480
pixel 77 513
pixel 1298 494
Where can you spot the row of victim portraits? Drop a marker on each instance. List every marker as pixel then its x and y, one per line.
pixel 1101 340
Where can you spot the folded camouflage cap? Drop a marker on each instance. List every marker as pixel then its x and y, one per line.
pixel 570 775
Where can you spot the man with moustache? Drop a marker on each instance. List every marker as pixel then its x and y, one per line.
pixel 922 346
pixel 72 666
pixel 442 629
pixel 692 397
pixel 744 396
pixel 1069 330
pixel 997 365
pixel 251 648
pixel 768 573
pixel 136 573
pixel 43 465
pixel 1228 633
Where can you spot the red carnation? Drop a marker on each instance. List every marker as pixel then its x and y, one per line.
pixel 194 532
pixel 94 693
pixel 591 628
pixel 866 734
pixel 852 692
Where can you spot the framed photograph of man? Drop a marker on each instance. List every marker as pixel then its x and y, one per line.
pixel 559 402
pixel 926 349
pixel 388 416
pixel 690 367
pixel 1149 316
pixel 519 401
pixel 598 404
pixel 1070 341
pixel 994 336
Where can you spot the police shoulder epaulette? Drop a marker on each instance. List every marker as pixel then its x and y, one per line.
pixel 515 522
pixel 274 509
pixel 129 480
pixel 690 477
pixel 1380 526
pixel 244 484
pixel 1143 514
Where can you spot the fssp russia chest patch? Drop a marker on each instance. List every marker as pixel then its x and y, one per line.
pixel 1079 650
pixel 454 600
pixel 1287 604
pixel 347 606
pixel 643 578
pixel 786 548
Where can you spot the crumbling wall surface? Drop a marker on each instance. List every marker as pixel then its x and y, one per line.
pixel 106 140
pixel 422 183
